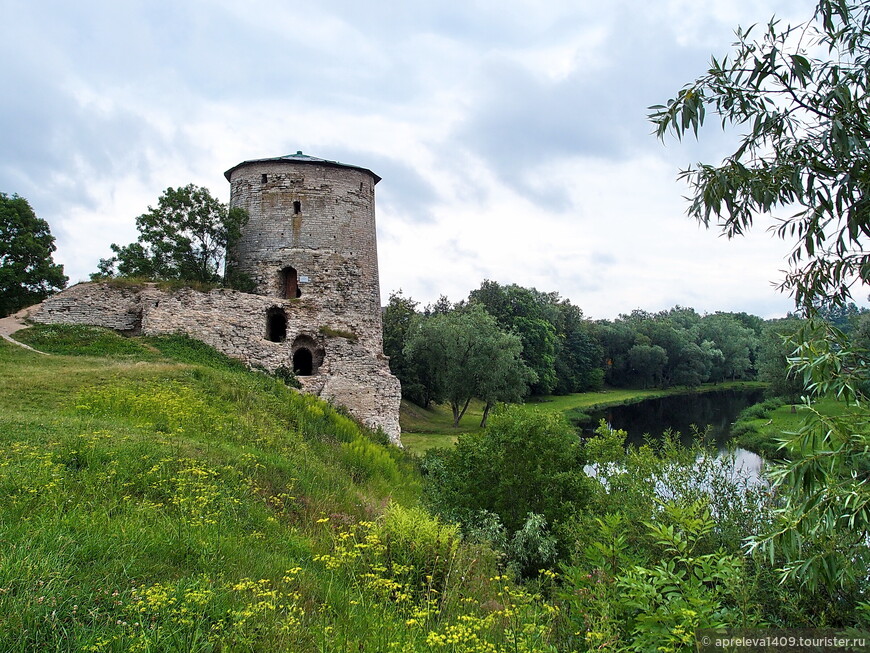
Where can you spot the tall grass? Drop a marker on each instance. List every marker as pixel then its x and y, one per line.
pixel 158 497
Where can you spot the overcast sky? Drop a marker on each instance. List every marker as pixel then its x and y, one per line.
pixel 511 135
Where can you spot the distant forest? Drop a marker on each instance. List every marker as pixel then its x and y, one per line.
pixel 505 342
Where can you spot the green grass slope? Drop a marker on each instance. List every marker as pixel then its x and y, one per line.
pixel 159 497
pixel 763 427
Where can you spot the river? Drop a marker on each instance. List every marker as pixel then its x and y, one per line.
pixel 652 417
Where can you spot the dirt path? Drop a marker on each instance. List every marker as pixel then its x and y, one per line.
pixel 15 322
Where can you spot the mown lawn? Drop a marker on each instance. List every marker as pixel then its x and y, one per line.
pixel 425 428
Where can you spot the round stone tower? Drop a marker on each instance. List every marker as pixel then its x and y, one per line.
pixel 309 247
pixel 311 237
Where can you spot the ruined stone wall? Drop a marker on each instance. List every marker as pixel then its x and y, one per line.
pixel 320 220
pixel 353 373
pixel 97 304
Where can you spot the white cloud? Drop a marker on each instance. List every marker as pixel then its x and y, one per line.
pixel 622 243
pixel 511 135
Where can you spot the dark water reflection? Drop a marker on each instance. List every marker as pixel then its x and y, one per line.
pixel 680 413
pixel 686 414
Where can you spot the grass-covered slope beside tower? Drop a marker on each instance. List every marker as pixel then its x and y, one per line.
pixel 160 497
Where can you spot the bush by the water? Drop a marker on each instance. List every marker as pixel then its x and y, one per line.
pixel 525 465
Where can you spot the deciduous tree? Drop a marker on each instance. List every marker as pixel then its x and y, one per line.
pixel 648 363
pixel 398 316
pixel 525 462
pixel 774 352
pixel 185 237
pixel 801 95
pixel 736 343
pixel 27 272
pixel 579 354
pixel 467 355
pixel 544 323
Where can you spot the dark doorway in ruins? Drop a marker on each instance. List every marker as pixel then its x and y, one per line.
pixel 307 355
pixel 290 283
pixel 276 325
pixel 303 362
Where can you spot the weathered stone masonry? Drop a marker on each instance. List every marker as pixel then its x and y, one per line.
pixel 309 246
pixel 311 235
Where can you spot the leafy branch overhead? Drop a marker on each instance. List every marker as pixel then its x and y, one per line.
pixel 185 237
pixel 801 94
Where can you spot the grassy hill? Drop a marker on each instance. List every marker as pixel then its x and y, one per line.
pixel 160 497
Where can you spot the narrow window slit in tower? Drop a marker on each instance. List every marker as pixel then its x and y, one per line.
pixel 264 178
pixel 297 207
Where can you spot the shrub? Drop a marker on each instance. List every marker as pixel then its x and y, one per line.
pixel 287 376
pixel 532 548
pixel 654 601
pixel 422 543
pixel 524 462
pixel 741 429
pixel 577 416
pixel 761 410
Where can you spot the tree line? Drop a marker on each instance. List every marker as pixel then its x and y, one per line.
pixel 647 565
pixel 506 342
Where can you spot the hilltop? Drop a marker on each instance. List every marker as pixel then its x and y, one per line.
pixel 159 496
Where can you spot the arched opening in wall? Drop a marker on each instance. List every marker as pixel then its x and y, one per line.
pixel 303 362
pixel 276 325
pixel 290 283
pixel 307 356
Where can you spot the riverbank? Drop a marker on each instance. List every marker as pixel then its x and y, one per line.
pixel 576 407
pixel 425 428
pixel 762 427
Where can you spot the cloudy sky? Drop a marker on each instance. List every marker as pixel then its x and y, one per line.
pixel 511 135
